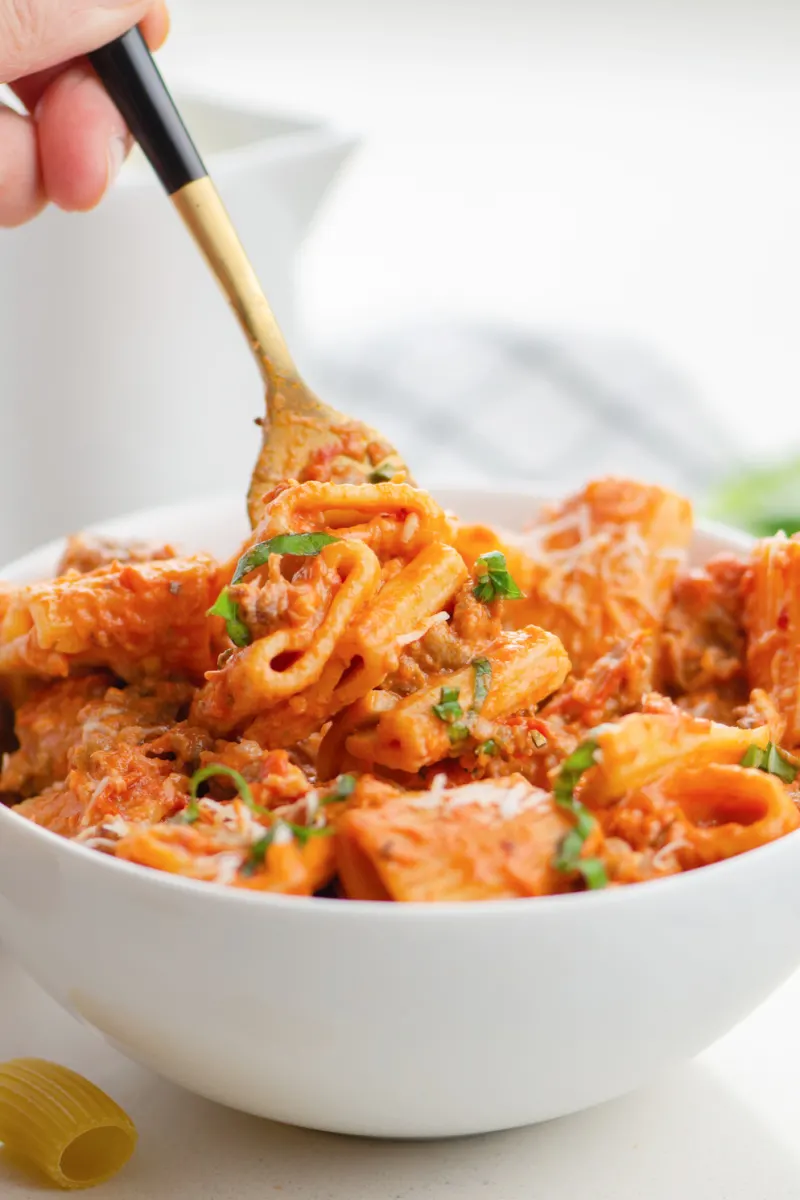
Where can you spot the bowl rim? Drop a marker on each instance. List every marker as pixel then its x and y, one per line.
pixel 362 909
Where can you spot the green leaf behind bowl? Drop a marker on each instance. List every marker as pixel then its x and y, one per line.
pixel 761 501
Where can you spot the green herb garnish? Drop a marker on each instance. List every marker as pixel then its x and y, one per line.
pixel 227 608
pixel 383 473
pixel 192 810
pixel 305 545
pixel 448 709
pixel 489 748
pixel 762 501
pixel 495 580
pixel 569 858
pixel 345 786
pixel 258 851
pixel 770 760
pixel 302 833
pixel 483 681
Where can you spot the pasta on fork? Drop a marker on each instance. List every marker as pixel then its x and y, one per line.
pixel 371 700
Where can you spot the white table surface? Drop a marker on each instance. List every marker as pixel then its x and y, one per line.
pixel 726 1127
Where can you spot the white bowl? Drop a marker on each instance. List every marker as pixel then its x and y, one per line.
pixel 389 1019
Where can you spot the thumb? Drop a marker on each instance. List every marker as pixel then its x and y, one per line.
pixel 35 34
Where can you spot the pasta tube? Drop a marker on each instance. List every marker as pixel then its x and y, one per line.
pixel 729 809
pixel 641 746
pixel 290 659
pixel 772 624
pixel 606 562
pixel 372 648
pixel 275 861
pixel 523 668
pixel 62 1124
pixel 484 841
pixel 394 519
pixel 140 620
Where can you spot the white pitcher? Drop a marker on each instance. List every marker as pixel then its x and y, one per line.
pixel 124 380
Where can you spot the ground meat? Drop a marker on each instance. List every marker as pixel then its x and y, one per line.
pixel 703 643
pixel 85 553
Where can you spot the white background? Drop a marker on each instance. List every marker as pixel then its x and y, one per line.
pixel 612 166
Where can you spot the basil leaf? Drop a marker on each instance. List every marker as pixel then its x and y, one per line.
pixel 593 872
pixel 448 709
pixel 495 580
pixel 568 858
pixel 258 851
pixel 305 545
pixel 489 747
pixel 457 733
pixel 483 681
pixel 242 786
pixel 753 757
pixel 302 833
pixel 572 768
pixel 345 786
pixel 762 501
pixel 771 760
pixel 383 473
pixel 227 608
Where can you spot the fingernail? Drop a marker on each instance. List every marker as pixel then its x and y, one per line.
pixel 116 157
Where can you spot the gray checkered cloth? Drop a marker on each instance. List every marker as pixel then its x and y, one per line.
pixel 479 405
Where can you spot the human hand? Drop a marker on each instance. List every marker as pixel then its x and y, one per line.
pixel 72 142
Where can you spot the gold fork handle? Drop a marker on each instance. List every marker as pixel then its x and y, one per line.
pixel 206 218
pixel 132 79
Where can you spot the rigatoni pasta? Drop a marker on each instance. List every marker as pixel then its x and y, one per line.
pixel 62 1124
pixel 373 701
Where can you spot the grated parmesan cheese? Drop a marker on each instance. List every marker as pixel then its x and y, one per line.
pixel 410 527
pixel 405 639
pixel 312 806
pixel 283 834
pixel 509 801
pixel 227 867
pixel 666 851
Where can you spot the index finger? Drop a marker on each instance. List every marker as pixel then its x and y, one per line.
pixel 155 29
pixel 37 34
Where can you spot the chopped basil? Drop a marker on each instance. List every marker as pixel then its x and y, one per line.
pixel 257 855
pixel 305 545
pixel 483 681
pixel 489 748
pixel 189 815
pixel 593 872
pixel 242 786
pixel 304 833
pixel 345 785
pixel 569 858
pixel 770 760
pixel 258 851
pixel 227 608
pixel 448 709
pixel 383 473
pixel 495 580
